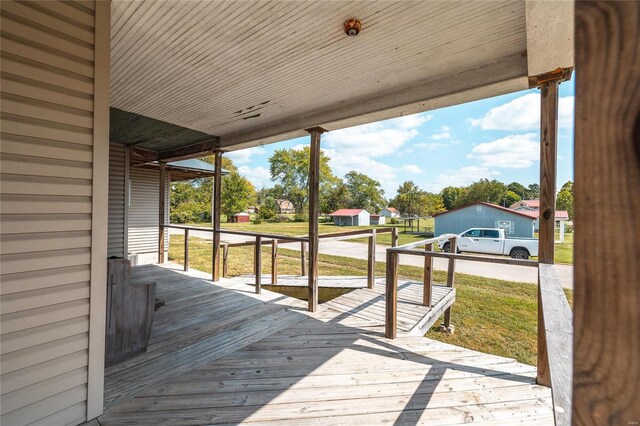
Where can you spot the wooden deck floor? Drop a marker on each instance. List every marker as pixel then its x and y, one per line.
pixel 223 355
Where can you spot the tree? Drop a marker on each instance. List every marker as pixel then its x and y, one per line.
pixel 435 204
pixel 364 192
pixel 451 195
pixel 237 194
pixel 410 199
pixel 564 200
pixel 533 192
pixel 334 197
pixel 518 189
pixel 485 190
pixel 508 198
pixel 290 169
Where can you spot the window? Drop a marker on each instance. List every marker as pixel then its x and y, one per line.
pixel 473 233
pixel 508 226
pixel 490 233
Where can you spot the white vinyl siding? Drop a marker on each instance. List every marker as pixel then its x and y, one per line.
pixel 46 210
pixel 143 213
pixel 117 193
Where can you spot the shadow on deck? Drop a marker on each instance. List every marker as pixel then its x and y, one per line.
pixel 220 354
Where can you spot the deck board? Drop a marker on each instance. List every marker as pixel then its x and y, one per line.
pixel 222 355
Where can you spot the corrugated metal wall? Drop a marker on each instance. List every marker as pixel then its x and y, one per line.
pixel 117 193
pixel 143 213
pixel 46 205
pixel 481 216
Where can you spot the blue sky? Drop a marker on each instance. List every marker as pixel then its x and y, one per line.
pixel 492 138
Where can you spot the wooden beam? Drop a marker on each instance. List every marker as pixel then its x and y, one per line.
pixel 547 222
pixel 427 276
pixel 394 237
pixel 258 264
pixel 161 215
pixel 391 296
pixel 371 260
pixel 217 192
pixel 186 250
pixel 274 262
pixel 195 150
pixel 303 258
pixel 225 258
pixel 606 348
pixel 451 274
pixel 138 156
pixel 314 211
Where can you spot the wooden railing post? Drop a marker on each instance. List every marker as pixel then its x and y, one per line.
pixel 391 296
pixel 161 212
pixel 217 193
pixel 427 278
pixel 303 258
pixel 394 237
pixel 225 255
pixel 314 212
pixel 547 222
pixel 371 259
pixel 451 270
pixel 258 264
pixel 274 262
pixel 186 250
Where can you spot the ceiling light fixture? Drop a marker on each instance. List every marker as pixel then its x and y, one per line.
pixel 352 27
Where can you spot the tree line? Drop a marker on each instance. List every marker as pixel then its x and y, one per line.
pixel 289 169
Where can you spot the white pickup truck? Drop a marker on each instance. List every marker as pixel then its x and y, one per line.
pixel 492 241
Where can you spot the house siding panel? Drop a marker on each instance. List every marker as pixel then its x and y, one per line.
pixel 47 171
pixel 143 214
pixel 117 195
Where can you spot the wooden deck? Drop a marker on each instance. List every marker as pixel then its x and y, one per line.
pixel 220 354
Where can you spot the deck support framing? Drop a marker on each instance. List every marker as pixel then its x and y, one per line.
pixel 215 214
pixel 314 211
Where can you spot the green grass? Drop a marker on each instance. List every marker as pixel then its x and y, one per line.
pixel 492 316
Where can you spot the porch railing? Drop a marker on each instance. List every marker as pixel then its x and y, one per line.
pixel 554 310
pixel 274 240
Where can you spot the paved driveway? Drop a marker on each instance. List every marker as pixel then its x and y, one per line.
pixel 359 251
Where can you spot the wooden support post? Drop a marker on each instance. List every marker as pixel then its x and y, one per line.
pixel 391 296
pixel 217 192
pixel 303 258
pixel 451 272
pixel 225 256
pixel 186 250
pixel 427 278
pixel 394 237
pixel 161 209
pixel 606 355
pixel 258 264
pixel 314 211
pixel 547 221
pixel 371 259
pixel 274 262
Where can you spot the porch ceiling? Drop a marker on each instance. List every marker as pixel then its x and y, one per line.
pixel 259 72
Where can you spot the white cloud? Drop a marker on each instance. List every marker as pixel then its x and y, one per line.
pixel 444 133
pixel 513 151
pixel 258 176
pixel 461 177
pixel 411 168
pixel 243 156
pixel 523 113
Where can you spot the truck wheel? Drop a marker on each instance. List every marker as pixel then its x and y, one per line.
pixel 446 247
pixel 521 254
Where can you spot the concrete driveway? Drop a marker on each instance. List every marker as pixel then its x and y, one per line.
pixel 359 251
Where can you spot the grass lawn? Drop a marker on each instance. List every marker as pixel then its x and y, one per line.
pixel 492 316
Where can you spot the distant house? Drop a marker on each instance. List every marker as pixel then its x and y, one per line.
pixel 285 206
pixel 351 217
pixel 239 218
pixel 534 204
pixel 377 219
pixel 389 212
pixel 562 217
pixel 484 215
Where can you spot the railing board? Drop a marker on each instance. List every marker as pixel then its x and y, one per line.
pixel 456 256
pixel 558 325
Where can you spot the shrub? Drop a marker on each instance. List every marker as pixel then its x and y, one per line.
pixel 257 220
pixel 299 218
pixel 393 221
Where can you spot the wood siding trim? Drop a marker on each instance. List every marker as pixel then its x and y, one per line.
pixel 100 201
